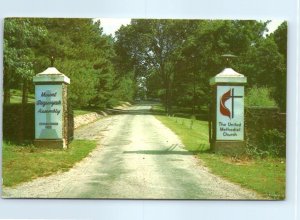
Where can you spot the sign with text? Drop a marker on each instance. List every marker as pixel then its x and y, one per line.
pixel 230 113
pixel 48 111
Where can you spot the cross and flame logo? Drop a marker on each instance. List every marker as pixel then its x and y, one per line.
pixel 224 98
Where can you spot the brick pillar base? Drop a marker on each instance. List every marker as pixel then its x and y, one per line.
pixel 229 147
pixel 50 143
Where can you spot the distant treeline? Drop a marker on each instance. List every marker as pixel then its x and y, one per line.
pixel 170 60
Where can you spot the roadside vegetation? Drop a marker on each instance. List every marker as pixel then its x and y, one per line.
pixel 170 60
pixel 159 59
pixel 16 96
pixel 266 176
pixel 26 162
pixel 259 97
pixel 78 112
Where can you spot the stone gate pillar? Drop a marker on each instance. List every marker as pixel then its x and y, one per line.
pixel 51 113
pixel 227 128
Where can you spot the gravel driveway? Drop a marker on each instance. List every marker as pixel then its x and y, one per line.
pixel 137 157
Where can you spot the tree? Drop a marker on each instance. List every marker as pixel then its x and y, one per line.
pixel 79 47
pixel 200 55
pixel 84 54
pixel 150 46
pixel 280 38
pixel 168 59
pixel 21 35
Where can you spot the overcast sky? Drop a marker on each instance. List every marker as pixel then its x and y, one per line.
pixel 110 25
pixel 273 25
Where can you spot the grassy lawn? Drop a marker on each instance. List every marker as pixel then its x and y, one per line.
pixel 179 111
pixel 266 176
pixel 16 96
pixel 18 99
pixel 158 108
pixel 193 133
pixel 81 112
pixel 24 163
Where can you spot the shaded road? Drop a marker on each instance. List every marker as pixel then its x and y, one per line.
pixel 137 157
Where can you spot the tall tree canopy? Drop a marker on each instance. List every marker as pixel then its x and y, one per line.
pixel 21 37
pixel 80 49
pixel 170 60
pixel 178 57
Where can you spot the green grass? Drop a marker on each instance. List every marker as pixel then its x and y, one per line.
pixel 158 108
pixel 81 112
pixel 18 99
pixel 193 133
pixel 178 110
pixel 266 176
pixel 16 96
pixel 24 163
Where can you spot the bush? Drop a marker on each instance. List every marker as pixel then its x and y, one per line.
pixel 273 144
pixel 259 97
pixel 13 121
pixel 21 128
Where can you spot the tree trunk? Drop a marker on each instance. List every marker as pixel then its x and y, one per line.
pixel 25 92
pixel 170 98
pixel 165 83
pixel 194 93
pixel 6 89
pixel 167 96
pixel 22 116
pixel 6 95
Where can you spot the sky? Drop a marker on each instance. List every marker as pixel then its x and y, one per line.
pixel 273 25
pixel 110 25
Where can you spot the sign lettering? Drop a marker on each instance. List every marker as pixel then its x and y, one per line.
pixel 48 111
pixel 230 113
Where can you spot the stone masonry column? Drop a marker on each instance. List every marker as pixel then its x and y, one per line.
pixel 227 129
pixel 51 121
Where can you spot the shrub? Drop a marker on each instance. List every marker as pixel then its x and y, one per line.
pixel 273 144
pixel 259 97
pixel 18 127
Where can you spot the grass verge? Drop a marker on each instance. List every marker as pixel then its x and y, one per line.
pixel 193 133
pixel 265 176
pixel 24 163
pixel 81 112
pixel 16 96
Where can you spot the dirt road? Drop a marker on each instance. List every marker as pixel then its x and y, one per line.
pixel 137 157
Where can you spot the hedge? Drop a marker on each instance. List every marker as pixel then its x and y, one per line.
pixel 265 130
pixel 18 127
